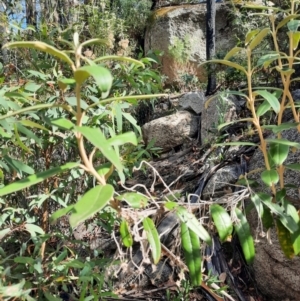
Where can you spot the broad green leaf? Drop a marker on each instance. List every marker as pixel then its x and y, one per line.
pixel 242 229
pixel 284 238
pixel 232 52
pixel 29 133
pixel 283 142
pixel 279 152
pixel 4 232
pixel 279 128
pixel 293 24
pixel 122 139
pixel 33 124
pixel 32 87
pixel 132 121
pixel 263 108
pixel 101 75
pixel 258 38
pixel 34 229
pixel 41 46
pixel 72 101
pixel 294 166
pixel 267 59
pixel 257 204
pixel 119 58
pixel 63 123
pixel 250 35
pixel 227 63
pixel 270 98
pixel 18 166
pixel 19 142
pixel 134 199
pixel 192 222
pixel 285 21
pixel 59 213
pixel 125 234
pixel 96 137
pixel 270 177
pixel 192 253
pixel 285 71
pixel 295 38
pixel 94 41
pixel 25 260
pixel 36 178
pixel 285 219
pixel 222 221
pixel 92 202
pixel 153 239
pixel 105 169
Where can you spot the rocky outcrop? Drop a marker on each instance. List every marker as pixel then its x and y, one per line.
pixel 187 23
pixel 171 131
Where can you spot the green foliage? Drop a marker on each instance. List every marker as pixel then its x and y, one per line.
pixel 273 206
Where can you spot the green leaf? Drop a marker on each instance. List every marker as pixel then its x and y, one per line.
pixel 96 137
pixel 24 260
pixel 41 46
pixel 134 199
pixel 293 24
pixel 18 166
pixel 122 139
pixel 222 221
pixel 285 71
pixel 258 38
pixel 50 297
pixel 285 20
pixel 34 229
pixel 284 238
pixel 267 59
pixel 190 220
pixel 192 254
pixel 4 232
pixel 270 98
pixel 285 219
pixel 33 125
pixel 283 142
pixel 294 166
pixel 250 35
pixel 232 52
pixel 101 75
pixel 59 213
pixel 227 63
pixel 92 202
pixel 279 152
pixel 237 143
pixel 36 178
pixel 263 108
pixel 242 229
pixel 125 234
pixel 153 238
pixel 270 177
pixel 28 133
pixel 32 87
pixel 279 128
pixel 63 123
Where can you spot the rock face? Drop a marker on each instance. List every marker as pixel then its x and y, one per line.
pixel 193 101
pixel 220 110
pixel 172 130
pixel 277 276
pixel 187 22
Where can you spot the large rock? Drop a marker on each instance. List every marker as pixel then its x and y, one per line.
pixel 276 276
pixel 220 110
pixel 193 101
pixel 187 22
pixel 171 131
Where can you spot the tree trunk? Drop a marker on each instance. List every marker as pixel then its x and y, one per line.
pixel 210 44
pixel 31 14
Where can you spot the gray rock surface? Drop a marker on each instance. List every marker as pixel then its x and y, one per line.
pixel 220 110
pixel 192 101
pixel 187 21
pixel 276 276
pixel 171 131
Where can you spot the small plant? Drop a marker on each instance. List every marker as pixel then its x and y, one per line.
pixel 274 206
